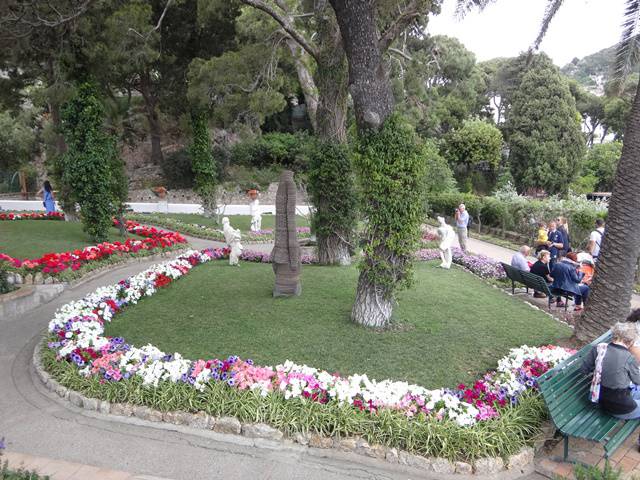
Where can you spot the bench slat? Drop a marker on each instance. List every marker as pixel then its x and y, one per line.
pixel 577 422
pixel 599 428
pixel 621 435
pixel 559 384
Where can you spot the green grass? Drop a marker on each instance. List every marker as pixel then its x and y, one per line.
pixel 33 238
pixel 450 328
pixel 243 222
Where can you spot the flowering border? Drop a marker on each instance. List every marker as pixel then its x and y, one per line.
pixel 31 216
pixel 56 263
pixel 77 331
pixel 481 265
pixel 209 233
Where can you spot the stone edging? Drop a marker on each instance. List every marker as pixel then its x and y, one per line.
pixel 516 466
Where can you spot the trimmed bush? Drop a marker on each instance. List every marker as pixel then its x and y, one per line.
pixel 283 149
pixel 176 169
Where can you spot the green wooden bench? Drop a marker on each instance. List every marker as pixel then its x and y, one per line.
pixel 535 282
pixel 566 392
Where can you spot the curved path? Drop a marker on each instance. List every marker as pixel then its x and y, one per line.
pixel 40 424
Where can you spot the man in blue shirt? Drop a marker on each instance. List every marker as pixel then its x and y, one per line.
pixel 555 242
pixel 462 221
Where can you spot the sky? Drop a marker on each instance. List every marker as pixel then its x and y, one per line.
pixel 508 27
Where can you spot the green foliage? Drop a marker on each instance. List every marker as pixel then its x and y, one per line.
pixel 475 147
pixel 91 171
pixel 439 177
pixel 17 141
pixel 286 150
pixel 4 284
pixel 332 191
pixel 601 162
pixel 20 474
pixel 509 211
pixel 586 472
pixel 391 166
pixel 177 170
pixel 543 130
pixel 440 87
pixel 202 161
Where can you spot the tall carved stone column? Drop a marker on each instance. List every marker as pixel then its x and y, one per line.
pixel 285 255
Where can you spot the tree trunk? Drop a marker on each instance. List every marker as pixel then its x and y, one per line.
pixel 373 103
pixel 368 79
pixel 615 271
pixel 373 305
pixel 332 250
pixel 155 129
pixel 306 81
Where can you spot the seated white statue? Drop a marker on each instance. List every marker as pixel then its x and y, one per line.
pixel 232 236
pixel 256 215
pixel 446 234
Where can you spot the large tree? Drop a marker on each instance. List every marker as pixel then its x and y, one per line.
pixel 543 130
pixel 388 160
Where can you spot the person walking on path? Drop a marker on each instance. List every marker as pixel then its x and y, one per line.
pixel 595 239
pixel 48 200
pixel 462 221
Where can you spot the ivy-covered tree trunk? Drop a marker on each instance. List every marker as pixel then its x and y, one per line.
pixel 389 166
pixel 615 272
pixel 155 129
pixel 203 163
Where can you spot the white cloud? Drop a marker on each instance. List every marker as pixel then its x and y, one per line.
pixel 508 27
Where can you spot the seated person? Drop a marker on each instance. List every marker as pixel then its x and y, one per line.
pixel 634 318
pixel 615 369
pixel 519 259
pixel 542 239
pixel 541 268
pixel 566 278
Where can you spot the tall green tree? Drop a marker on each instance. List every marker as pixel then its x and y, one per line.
pixel 203 163
pixel 91 171
pixel 543 130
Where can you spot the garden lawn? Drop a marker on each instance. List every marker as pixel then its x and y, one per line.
pixel 33 238
pixel 243 222
pixel 449 328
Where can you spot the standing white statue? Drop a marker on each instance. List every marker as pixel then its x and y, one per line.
pixel 446 234
pixel 232 236
pixel 256 215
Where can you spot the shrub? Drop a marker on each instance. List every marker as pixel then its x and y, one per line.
pixel 202 163
pixel 4 284
pixel 439 177
pixel 176 169
pixel 282 149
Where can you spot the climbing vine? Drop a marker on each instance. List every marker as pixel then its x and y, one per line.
pixel 202 162
pixel 332 192
pixel 91 171
pixel 390 165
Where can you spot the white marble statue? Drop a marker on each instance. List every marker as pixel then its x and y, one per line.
pixel 256 215
pixel 446 234
pixel 232 236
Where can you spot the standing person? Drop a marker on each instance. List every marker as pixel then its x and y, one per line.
pixel 555 243
pixel 48 200
pixel 563 228
pixel 595 239
pixel 462 221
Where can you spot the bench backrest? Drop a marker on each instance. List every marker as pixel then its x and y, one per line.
pixel 512 272
pixel 536 282
pixel 566 392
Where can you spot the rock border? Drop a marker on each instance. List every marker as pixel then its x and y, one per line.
pixel 516 466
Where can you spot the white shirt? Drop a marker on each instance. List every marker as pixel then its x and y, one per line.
pixel 596 238
pixel 519 261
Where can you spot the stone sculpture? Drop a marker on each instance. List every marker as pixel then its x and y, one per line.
pixel 446 234
pixel 285 255
pixel 256 215
pixel 232 236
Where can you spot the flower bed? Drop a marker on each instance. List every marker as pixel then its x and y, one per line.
pixel 32 216
pixel 480 265
pixel 209 233
pixel 55 263
pixel 77 338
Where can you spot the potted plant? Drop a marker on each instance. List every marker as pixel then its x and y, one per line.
pixel 252 193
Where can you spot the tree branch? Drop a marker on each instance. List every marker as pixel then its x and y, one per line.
pixel 285 23
pixel 405 17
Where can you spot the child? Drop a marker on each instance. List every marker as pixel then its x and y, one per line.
pixel 542 239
